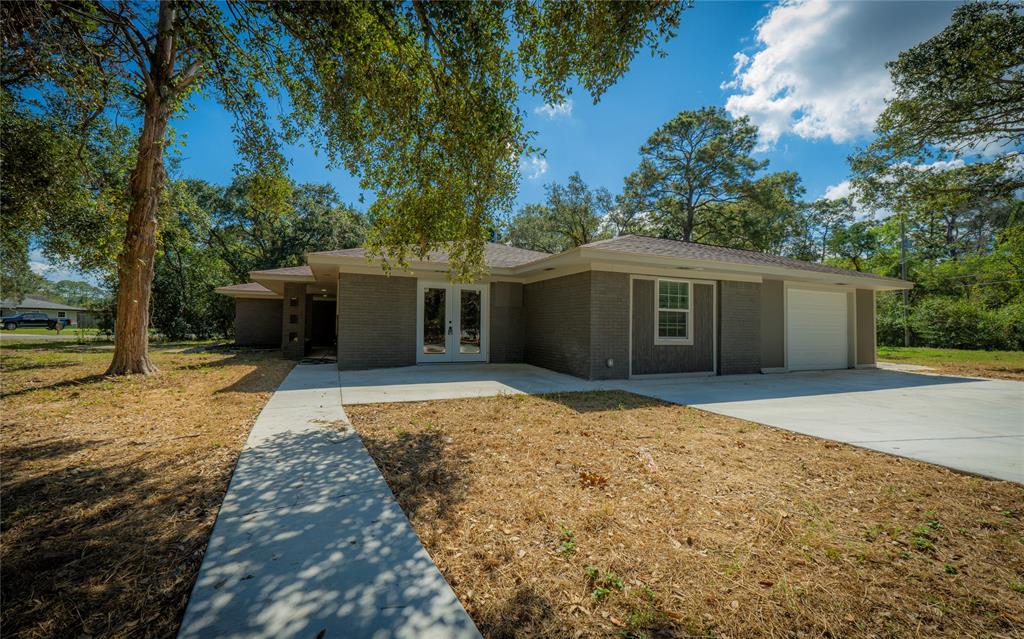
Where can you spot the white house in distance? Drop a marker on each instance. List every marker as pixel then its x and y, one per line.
pixel 80 317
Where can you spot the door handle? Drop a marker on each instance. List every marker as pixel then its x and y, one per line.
pixel 449 328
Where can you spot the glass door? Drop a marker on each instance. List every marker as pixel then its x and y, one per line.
pixel 433 327
pixel 469 320
pixel 451 322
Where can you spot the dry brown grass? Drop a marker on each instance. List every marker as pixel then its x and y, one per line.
pixel 110 486
pixel 716 527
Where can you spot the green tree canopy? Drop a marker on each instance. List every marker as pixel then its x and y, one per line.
pixel 572 215
pixel 691 166
pixel 418 99
pixel 255 224
pixel 959 94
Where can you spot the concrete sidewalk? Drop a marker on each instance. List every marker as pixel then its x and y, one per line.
pixel 427 382
pixel 310 542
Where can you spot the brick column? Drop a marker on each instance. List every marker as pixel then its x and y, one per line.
pixel 293 326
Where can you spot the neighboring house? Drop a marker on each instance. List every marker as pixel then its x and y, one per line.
pixel 80 317
pixel 617 308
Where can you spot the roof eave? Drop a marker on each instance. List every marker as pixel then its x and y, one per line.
pixel 358 263
pixel 613 255
pixel 237 294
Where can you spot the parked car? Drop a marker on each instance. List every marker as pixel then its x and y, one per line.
pixel 26 320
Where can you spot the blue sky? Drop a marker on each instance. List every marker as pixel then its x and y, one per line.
pixel 810 74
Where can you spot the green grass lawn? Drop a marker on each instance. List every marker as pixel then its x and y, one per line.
pixel 1004 364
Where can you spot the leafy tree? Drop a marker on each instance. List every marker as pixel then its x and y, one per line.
pixel 853 244
pixel 186 272
pixel 531 229
pixel 958 94
pixel 55 192
pixel 825 217
pixel 72 292
pixel 259 223
pixel 766 216
pixel 691 166
pixel 418 99
pixel 573 215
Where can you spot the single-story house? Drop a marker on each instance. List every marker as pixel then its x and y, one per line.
pixel 624 307
pixel 80 317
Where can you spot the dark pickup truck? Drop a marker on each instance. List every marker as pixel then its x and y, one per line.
pixel 26 320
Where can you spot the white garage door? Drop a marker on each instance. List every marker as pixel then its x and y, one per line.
pixel 816 335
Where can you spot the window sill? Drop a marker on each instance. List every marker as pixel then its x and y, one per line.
pixel 673 341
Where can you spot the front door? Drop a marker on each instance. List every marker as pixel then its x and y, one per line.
pixel 451 322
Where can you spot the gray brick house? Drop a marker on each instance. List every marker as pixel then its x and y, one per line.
pixel 624 307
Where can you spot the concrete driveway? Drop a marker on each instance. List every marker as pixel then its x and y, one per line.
pixel 969 424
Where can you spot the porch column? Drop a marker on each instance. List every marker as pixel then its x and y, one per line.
pixel 293 327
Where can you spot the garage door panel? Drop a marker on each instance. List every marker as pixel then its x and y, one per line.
pixel 817 334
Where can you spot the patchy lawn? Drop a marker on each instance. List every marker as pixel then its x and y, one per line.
pixel 952 361
pixel 609 514
pixel 111 485
pixel 39 330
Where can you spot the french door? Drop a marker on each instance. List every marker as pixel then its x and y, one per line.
pixel 451 322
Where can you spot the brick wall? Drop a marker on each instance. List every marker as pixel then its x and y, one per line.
pixel 507 331
pixel 257 322
pixel 739 317
pixel 556 315
pixel 609 322
pixel 293 321
pixel 376 321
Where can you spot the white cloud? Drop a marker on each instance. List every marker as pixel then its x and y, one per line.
pixel 40 265
pixel 553 111
pixel 533 167
pixel 819 68
pixel 837 191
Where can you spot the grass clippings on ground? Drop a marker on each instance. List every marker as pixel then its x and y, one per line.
pixel 951 361
pixel 611 515
pixel 110 486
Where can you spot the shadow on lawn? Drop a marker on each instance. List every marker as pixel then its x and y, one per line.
pixel 14 457
pixel 602 401
pixel 87 548
pixel 524 614
pixel 423 471
pixel 23 364
pixel 258 380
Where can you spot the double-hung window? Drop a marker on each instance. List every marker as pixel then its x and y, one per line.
pixel 672 313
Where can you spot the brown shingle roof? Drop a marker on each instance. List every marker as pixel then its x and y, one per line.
pixel 248 289
pixel 287 270
pixel 643 245
pixel 40 303
pixel 495 255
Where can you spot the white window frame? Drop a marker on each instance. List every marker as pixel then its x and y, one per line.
pixel 673 341
pixel 61 314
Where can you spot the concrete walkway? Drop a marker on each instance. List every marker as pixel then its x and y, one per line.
pixel 427 382
pixel 310 542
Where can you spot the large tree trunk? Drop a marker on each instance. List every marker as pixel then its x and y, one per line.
pixel 135 264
